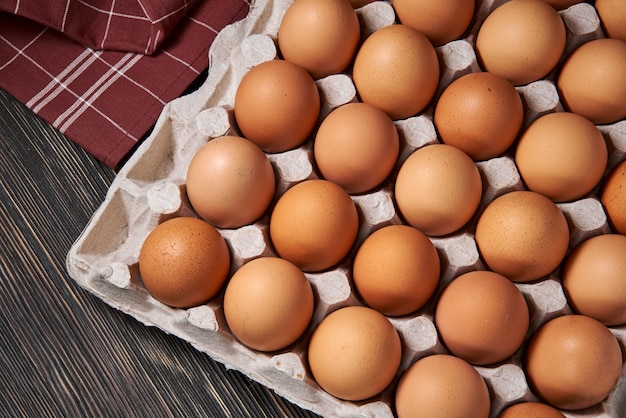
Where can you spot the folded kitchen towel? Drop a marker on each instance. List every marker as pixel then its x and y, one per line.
pixel 101 71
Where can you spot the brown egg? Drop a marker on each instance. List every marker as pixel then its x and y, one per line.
pixel 230 182
pixel 268 303
pixel 314 225
pixel 561 155
pixel 479 113
pixel 522 235
pixel 521 41
pixel 396 270
pixel 573 362
pixel 612 14
pixel 438 189
pixel 441 21
pixel 531 410
pixel 592 81
pixel 354 353
pixel 482 317
pixel 321 36
pixel 356 146
pixel 397 70
pixel 442 386
pixel 594 278
pixel 184 262
pixel 613 197
pixel 277 105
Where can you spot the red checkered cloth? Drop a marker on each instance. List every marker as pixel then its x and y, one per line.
pixel 101 71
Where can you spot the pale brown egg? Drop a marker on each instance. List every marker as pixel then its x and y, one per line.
pixel 592 81
pixel 573 362
pixel 594 278
pixel 396 270
pixel 561 155
pixel 442 386
pixel 277 105
pixel 397 70
pixel 314 225
pixel 321 36
pixel 479 113
pixel 230 182
pixel 482 317
pixel 438 189
pixel 184 262
pixel 354 353
pixel 522 235
pixel 268 303
pixel 441 21
pixel 612 14
pixel 521 41
pixel 613 198
pixel 356 146
pixel 531 410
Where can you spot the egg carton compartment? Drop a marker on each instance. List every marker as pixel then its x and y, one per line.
pixel 150 188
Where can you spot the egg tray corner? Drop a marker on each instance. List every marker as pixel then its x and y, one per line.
pixel 150 188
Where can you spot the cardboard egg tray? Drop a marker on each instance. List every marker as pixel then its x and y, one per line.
pixel 150 188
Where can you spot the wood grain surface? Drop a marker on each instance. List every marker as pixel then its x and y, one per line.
pixel 64 352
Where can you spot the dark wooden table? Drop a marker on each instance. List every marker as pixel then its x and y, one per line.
pixel 64 352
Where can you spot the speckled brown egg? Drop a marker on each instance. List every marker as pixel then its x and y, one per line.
pixel 522 235
pixel 613 197
pixel 612 14
pixel 314 224
pixel 184 262
pixel 573 362
pixel 530 410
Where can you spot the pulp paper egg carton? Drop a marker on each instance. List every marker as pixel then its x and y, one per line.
pixel 150 188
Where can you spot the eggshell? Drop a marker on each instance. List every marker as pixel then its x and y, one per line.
pixel 268 303
pixel 592 81
pixel 441 386
pixel 396 270
pixel 561 155
pixel 314 224
pixel 356 146
pixel 321 36
pixel 277 105
pixel 481 114
pixel 613 197
pixel 397 70
pixel 522 235
pixel 594 278
pixel 441 21
pixel 184 262
pixel 612 14
pixel 354 353
pixel 521 41
pixel 438 189
pixel 230 182
pixel 573 362
pixel 531 410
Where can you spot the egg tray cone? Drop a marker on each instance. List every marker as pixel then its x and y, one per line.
pixel 150 188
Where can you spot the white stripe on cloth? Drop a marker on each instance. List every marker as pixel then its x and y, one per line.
pixel 19 51
pixel 106 31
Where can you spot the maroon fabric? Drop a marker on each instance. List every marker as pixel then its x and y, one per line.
pixel 107 100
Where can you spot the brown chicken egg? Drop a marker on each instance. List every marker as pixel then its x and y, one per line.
pixel 396 270
pixel 277 105
pixel 531 410
pixel 356 146
pixel 573 362
pixel 479 113
pixel 612 14
pixel 268 303
pixel 613 198
pixel 561 155
pixel 521 40
pixel 397 70
pixel 230 182
pixel 438 189
pixel 482 317
pixel 314 225
pixel 321 36
pixel 184 262
pixel 522 235
pixel 354 353
pixel 442 386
